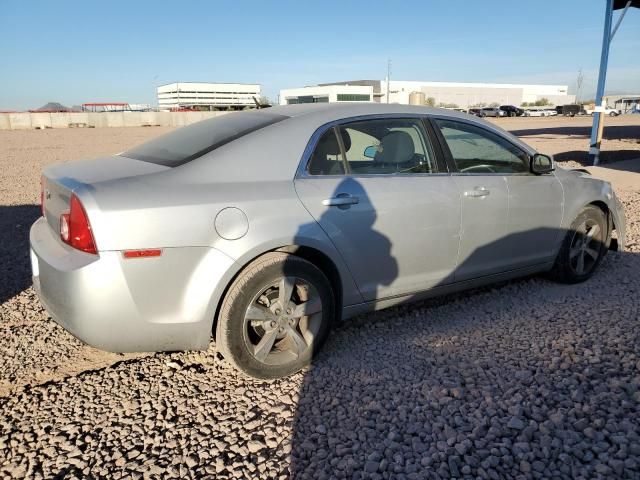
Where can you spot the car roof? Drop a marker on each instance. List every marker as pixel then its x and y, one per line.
pixel 284 143
pixel 337 111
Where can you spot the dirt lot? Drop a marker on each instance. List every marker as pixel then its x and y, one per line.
pixel 529 379
pixel 568 138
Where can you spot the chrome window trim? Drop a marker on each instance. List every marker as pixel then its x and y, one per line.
pixel 302 173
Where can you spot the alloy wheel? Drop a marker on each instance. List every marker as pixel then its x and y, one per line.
pixel 585 247
pixel 282 321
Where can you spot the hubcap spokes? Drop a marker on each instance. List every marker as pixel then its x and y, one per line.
pixel 279 323
pixel 585 247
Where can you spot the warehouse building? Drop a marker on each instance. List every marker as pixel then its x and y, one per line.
pixel 463 95
pixel 207 96
pixel 327 94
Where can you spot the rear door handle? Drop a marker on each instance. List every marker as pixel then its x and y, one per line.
pixel 477 192
pixel 340 200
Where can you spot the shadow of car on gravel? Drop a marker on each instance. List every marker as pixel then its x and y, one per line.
pixel 630 133
pixel 15 222
pixel 606 156
pixel 611 132
pixel 496 382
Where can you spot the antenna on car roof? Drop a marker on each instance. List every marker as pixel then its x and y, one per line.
pixel 255 100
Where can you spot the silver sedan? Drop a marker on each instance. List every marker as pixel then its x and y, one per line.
pixel 264 228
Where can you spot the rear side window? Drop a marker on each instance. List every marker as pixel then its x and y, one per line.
pixel 326 158
pixel 374 147
pixel 387 146
pixel 193 141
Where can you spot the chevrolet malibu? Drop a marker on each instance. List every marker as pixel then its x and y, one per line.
pixel 264 228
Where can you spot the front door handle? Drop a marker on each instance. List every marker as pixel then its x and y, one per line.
pixel 340 200
pixel 477 192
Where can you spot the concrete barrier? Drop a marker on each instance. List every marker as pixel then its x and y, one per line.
pixel 41 120
pixel 16 121
pixel 115 119
pixel 19 121
pixel 60 120
pixel 76 119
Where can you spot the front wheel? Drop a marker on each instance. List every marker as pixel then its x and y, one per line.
pixel 275 316
pixel 583 248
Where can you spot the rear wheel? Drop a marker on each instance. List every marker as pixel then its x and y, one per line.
pixel 276 316
pixel 583 248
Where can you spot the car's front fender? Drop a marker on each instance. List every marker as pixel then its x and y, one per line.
pixel 582 189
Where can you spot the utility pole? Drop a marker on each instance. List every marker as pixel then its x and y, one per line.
pixel 579 81
pixel 388 77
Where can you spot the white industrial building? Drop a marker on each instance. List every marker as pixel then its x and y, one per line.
pixel 463 95
pixel 207 96
pixel 327 94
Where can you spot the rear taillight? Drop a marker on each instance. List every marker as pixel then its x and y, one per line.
pixel 75 228
pixel 42 195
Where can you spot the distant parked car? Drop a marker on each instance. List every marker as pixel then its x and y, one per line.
pixel 512 110
pixel 551 112
pixel 266 227
pixel 492 112
pixel 535 112
pixel 612 112
pixel 475 111
pixel 570 110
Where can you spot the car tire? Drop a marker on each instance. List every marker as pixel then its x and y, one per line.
pixel 259 334
pixel 579 257
pixel 613 114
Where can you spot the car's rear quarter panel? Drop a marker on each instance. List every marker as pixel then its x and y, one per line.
pixel 129 305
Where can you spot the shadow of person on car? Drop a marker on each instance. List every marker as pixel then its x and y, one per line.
pixel 471 384
pixel 15 222
pixel 361 251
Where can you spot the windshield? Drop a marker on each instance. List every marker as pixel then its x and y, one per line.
pixel 188 143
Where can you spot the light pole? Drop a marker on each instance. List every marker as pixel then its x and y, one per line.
pixel 607 36
pixel 388 77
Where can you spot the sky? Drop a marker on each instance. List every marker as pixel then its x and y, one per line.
pixel 76 52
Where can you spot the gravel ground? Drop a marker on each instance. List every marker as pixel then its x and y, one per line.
pixel 528 379
pixel 568 138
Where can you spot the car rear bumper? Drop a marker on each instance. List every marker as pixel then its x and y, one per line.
pixel 128 305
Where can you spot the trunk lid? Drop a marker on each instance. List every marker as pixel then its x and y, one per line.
pixel 61 180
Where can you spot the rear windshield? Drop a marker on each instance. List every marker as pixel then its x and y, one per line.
pixel 188 143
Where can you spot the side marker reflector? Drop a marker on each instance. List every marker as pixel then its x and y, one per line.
pixel 156 252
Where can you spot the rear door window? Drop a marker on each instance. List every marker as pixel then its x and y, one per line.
pixel 387 146
pixel 188 143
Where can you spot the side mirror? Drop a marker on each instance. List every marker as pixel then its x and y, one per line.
pixel 370 151
pixel 541 164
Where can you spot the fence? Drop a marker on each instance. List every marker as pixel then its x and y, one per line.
pixel 29 120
